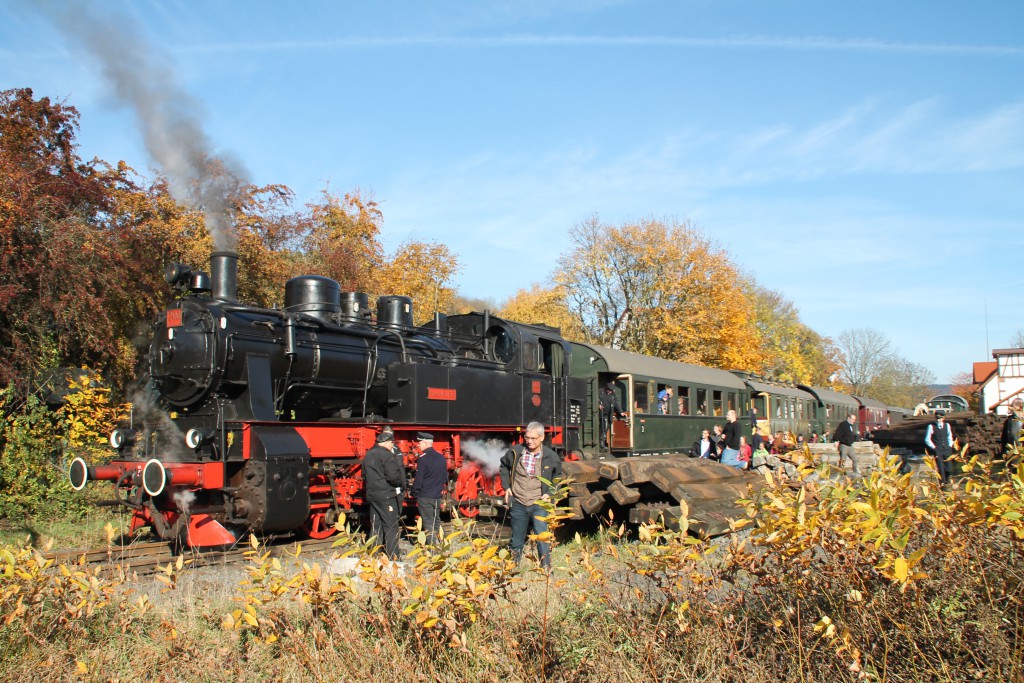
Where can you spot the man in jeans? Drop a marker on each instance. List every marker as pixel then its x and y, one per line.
pixel 522 470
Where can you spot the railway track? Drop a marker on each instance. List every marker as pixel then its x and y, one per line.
pixel 141 558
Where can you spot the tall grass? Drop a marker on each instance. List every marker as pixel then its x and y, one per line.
pixel 875 579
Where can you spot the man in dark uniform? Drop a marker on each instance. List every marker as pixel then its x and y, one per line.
pixel 428 486
pixel 610 409
pixel 939 440
pixel 384 478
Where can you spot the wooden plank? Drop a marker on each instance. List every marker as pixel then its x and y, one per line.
pixel 579 490
pixel 593 503
pixel 645 512
pixel 609 469
pixel 577 508
pixel 581 471
pixel 623 495
pixel 714 520
pixel 696 494
pixel 639 470
pixel 667 478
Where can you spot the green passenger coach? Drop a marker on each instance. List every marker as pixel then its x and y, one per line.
pixel 701 397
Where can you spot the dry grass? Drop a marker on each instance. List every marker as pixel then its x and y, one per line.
pixel 876 580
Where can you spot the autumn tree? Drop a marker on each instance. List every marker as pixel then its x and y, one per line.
pixel 661 289
pixel 870 367
pixel 343 241
pixel 464 304
pixel 68 268
pixel 900 382
pixel 543 305
pixel 962 384
pixel 789 349
pixel 423 271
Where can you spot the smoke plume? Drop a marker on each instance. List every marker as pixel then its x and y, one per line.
pixel 486 454
pixel 144 81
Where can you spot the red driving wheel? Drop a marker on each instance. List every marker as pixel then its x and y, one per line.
pixel 317 527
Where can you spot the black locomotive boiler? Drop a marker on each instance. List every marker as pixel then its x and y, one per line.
pixel 263 415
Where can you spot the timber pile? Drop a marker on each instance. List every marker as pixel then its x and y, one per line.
pixel 981 433
pixel 644 488
pixel 863 452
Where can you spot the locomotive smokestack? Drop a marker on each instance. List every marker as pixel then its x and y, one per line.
pixel 224 267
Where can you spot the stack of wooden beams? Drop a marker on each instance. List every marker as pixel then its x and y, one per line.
pixel 646 488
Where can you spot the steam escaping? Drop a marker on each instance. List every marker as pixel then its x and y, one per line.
pixel 183 500
pixel 486 454
pixel 174 137
pixel 151 419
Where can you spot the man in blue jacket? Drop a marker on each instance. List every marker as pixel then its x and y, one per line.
pixel 522 470
pixel 428 486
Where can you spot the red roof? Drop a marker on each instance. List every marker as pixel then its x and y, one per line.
pixel 984 370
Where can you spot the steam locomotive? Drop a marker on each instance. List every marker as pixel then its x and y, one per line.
pixel 262 416
pixel 259 418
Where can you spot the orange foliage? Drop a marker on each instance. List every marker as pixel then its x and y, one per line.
pixel 661 289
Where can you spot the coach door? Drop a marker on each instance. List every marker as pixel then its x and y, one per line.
pixel 622 435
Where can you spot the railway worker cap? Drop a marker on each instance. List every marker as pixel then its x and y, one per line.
pixel 424 436
pixel 610 386
pixel 385 436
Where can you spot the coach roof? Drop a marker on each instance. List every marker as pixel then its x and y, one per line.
pixel 624 362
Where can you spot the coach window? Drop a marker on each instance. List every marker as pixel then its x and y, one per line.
pixel 684 400
pixel 778 409
pixel 716 402
pixel 731 399
pixel 702 401
pixel 663 407
pixel 641 401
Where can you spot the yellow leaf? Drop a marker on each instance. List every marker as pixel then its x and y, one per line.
pixel 430 622
pixel 81 667
pixel 899 569
pixel 251 620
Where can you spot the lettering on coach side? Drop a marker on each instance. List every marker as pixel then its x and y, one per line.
pixel 438 394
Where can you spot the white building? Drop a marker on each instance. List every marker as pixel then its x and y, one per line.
pixel 1002 381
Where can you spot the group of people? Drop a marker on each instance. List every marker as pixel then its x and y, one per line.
pixel 728 444
pixel 528 472
pixel 384 479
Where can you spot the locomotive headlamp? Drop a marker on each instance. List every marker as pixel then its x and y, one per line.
pixel 122 438
pixel 194 438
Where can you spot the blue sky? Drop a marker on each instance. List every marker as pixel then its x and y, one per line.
pixel 865 158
